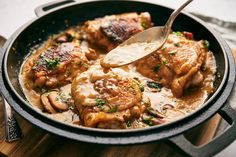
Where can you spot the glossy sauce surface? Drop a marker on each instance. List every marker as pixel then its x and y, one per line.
pixel 121 55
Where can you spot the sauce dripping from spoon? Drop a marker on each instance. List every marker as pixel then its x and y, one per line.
pixel 142 44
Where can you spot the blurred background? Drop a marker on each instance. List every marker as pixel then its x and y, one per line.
pixel 219 14
pixel 15 13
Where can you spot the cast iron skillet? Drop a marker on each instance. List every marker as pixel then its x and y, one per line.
pixel 57 16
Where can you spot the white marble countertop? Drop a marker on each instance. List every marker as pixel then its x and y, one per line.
pixel 14 13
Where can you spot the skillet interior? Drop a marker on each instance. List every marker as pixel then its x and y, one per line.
pixel 39 30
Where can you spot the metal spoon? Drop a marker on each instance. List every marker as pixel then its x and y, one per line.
pixel 12 129
pixel 142 44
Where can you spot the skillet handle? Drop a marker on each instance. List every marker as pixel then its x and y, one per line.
pixel 217 144
pixel 43 9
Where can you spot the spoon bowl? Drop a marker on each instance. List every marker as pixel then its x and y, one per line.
pixel 142 44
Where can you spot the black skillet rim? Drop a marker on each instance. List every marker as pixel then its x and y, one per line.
pixel 18 109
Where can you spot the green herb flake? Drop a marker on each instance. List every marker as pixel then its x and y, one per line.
pixel 70 38
pixel 34 67
pixel 141 87
pixel 148 121
pixel 101 108
pixel 136 78
pixel 100 102
pixel 132 86
pixel 163 49
pixel 113 109
pixel 164 62
pixel 178 33
pixel 177 44
pixel 128 124
pixel 51 63
pixel 157 68
pixel 206 44
pixel 144 25
pixel 154 85
pixel 172 53
pixel 58 99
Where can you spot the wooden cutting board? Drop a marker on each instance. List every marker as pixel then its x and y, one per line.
pixel 37 142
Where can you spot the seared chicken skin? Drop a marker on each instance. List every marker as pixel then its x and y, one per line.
pixel 106 100
pixel 58 65
pixel 110 31
pixel 177 65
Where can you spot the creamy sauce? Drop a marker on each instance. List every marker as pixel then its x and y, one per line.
pixel 188 103
pixel 183 106
pixel 128 53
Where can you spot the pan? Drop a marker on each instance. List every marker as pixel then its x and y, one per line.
pixel 57 16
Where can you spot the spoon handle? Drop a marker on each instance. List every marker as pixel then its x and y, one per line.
pixel 172 17
pixel 12 129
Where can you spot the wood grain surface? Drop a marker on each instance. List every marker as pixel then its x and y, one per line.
pixel 37 142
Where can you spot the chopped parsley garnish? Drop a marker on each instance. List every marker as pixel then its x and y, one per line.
pixel 178 33
pixel 113 109
pixel 206 44
pixel 132 86
pixel 144 25
pixel 147 120
pixel 164 62
pixel 51 63
pixel 34 67
pixel 141 87
pixel 155 85
pixel 128 123
pixel 100 102
pixel 177 44
pixel 156 68
pixel 163 49
pixel 70 38
pixel 58 99
pixel 172 53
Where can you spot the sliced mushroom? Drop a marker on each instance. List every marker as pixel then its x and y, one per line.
pixel 46 104
pixel 157 121
pixel 56 102
pixel 167 106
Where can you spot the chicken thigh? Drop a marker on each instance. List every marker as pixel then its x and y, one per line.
pixel 177 65
pixel 110 31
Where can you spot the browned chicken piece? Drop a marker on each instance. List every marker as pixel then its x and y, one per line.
pixel 58 65
pixel 177 64
pixel 110 31
pixel 106 100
